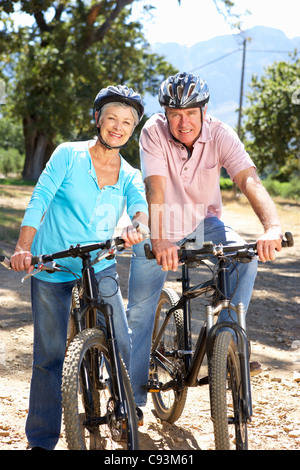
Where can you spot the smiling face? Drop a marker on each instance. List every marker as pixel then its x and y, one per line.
pixel 117 124
pixel 185 124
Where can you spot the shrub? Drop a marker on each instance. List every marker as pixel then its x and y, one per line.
pixel 10 161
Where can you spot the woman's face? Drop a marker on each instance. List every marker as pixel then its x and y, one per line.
pixel 117 125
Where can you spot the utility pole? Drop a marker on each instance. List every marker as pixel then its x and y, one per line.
pixel 242 88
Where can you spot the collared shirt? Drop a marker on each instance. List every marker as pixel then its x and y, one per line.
pixel 192 184
pixel 67 206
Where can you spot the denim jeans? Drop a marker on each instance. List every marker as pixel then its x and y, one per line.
pixel 50 308
pixel 145 284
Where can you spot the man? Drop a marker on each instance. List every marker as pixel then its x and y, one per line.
pixel 182 153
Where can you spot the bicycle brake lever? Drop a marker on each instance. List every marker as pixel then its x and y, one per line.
pixel 49 267
pixel 33 273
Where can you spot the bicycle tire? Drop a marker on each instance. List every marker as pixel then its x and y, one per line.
pixel 169 404
pixel 230 427
pixel 113 433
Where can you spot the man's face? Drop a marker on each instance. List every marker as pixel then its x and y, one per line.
pixel 185 124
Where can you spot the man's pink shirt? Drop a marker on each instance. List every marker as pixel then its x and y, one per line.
pixel 192 184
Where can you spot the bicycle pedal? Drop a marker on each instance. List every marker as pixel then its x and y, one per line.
pixel 152 387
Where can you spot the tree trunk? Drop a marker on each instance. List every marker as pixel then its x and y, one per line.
pixel 38 149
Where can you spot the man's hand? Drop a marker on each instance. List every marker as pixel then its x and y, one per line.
pixel 269 243
pixel 166 254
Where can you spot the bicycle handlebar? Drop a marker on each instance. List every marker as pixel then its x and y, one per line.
pixel 73 251
pixel 210 249
pixel 114 244
pixel 78 250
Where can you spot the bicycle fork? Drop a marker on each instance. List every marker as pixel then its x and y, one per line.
pixel 239 330
pixel 86 317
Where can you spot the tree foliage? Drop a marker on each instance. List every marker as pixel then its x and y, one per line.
pixel 272 125
pixel 54 66
pixel 58 64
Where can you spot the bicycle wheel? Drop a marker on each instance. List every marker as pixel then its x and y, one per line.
pixel 93 418
pixel 168 368
pixel 230 427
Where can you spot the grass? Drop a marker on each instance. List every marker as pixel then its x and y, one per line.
pixel 16 182
pixel 10 221
pixel 13 201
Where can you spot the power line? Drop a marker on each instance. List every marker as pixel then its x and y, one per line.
pixel 215 60
pixel 269 50
pixel 237 50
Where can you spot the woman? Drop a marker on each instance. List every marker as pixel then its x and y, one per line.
pixel 79 198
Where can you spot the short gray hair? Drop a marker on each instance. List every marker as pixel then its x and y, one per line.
pixel 121 105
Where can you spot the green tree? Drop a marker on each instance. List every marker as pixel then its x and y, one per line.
pixel 272 120
pixel 55 66
pixel 60 62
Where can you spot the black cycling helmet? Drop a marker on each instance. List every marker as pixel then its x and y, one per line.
pixel 183 90
pixel 120 93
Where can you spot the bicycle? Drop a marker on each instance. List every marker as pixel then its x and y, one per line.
pixel 175 366
pixel 98 404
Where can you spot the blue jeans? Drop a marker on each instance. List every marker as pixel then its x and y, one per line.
pixel 50 307
pixel 145 284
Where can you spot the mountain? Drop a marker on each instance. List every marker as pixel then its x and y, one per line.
pixel 219 62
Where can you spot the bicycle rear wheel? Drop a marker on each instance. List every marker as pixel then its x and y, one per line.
pixel 165 367
pixel 230 426
pixel 93 418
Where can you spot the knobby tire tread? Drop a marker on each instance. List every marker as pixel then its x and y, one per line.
pixel 172 414
pixel 70 384
pixel 224 347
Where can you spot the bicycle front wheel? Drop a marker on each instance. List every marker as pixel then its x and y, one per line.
pixel 165 365
pixel 230 425
pixel 93 417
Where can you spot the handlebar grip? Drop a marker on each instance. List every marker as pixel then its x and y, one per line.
pixel 5 261
pixel 141 228
pixel 35 260
pixel 289 240
pixel 148 252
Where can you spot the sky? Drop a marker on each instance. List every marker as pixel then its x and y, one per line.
pixel 198 20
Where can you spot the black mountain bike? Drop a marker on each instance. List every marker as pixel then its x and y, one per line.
pixel 98 404
pixel 175 366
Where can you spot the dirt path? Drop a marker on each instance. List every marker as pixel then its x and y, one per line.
pixel 273 326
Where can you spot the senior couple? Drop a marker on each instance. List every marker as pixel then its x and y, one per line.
pixel 182 151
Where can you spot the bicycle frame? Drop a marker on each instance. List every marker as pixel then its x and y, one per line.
pixel 193 359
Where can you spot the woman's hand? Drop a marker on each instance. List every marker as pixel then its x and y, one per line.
pixel 131 236
pixel 21 261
